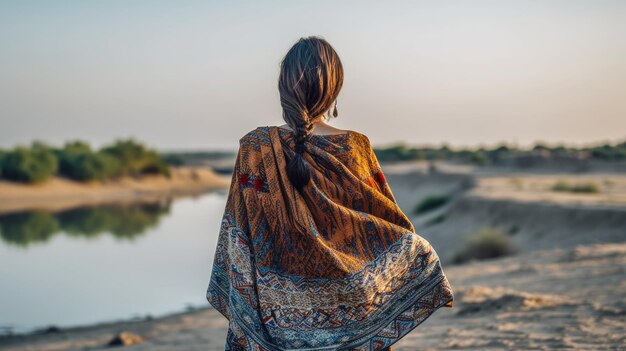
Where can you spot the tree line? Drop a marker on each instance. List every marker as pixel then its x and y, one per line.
pixel 481 156
pixel 78 161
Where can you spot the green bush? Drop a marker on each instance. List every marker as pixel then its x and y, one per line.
pixel 609 153
pixel 588 188
pixel 157 166
pixel 430 203
pixel 29 165
pixel 484 244
pixel 392 153
pixel 478 158
pixel 77 161
pixel 585 188
pixel 135 159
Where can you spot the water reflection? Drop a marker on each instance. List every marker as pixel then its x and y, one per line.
pixel 86 265
pixel 122 221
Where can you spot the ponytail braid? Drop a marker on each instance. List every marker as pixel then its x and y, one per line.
pixel 310 79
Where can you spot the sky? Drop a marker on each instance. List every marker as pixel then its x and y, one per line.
pixel 190 75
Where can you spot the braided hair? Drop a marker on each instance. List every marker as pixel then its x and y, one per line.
pixel 311 76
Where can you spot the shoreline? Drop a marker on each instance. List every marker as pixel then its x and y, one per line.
pixel 514 290
pixel 99 334
pixel 511 290
pixel 51 328
pixel 60 194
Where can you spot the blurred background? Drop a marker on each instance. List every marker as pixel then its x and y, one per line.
pixel 500 125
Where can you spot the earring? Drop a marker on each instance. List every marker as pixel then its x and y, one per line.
pixel 335 110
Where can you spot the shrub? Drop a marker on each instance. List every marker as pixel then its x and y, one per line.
pixel 478 158
pixel 30 165
pixel 588 188
pixel 77 161
pixel 92 166
pixel 431 203
pixel 609 153
pixel 484 244
pixel 561 186
pixel 135 159
pixel 156 165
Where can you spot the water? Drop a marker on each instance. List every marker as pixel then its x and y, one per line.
pixel 106 263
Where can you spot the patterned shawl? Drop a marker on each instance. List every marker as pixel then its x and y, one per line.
pixel 338 267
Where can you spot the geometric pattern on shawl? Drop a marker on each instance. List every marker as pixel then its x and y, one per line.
pixel 336 267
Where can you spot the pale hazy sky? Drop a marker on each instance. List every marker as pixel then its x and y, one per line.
pixel 199 74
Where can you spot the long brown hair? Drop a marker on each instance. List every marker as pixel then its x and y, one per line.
pixel 311 76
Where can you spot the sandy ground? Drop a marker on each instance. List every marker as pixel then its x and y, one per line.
pixel 546 300
pixel 564 288
pixel 522 205
pixel 538 188
pixel 59 194
pixel 504 184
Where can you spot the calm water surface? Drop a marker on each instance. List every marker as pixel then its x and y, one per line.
pixel 106 263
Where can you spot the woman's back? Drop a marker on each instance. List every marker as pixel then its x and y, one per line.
pixel 334 266
pixel 313 251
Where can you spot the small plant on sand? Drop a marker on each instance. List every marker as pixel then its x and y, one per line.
pixel 609 183
pixel 484 244
pixel 588 188
pixel 431 203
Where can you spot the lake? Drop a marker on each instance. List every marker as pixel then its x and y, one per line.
pixel 106 263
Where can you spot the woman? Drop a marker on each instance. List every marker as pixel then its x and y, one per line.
pixel 313 251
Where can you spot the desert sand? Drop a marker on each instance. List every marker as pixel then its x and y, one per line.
pixel 563 288
pixel 60 194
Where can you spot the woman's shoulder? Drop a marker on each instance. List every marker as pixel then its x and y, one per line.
pixel 359 135
pixel 253 136
pixel 360 139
